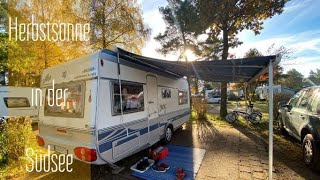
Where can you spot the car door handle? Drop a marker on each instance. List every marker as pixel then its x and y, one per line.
pixel 150 102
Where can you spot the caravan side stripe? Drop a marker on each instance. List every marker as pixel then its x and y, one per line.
pixel 105 144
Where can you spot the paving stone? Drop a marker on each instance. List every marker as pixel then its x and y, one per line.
pixel 255 158
pixel 263 161
pixel 255 163
pixel 245 169
pixel 245 175
pixel 266 167
pixel 244 163
pixel 257 168
pixel 258 175
pixel 233 156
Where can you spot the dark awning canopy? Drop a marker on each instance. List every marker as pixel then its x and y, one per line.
pixel 233 70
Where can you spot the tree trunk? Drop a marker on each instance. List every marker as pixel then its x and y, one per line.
pixel 196 86
pixel 223 106
pixel 186 58
pixel 104 45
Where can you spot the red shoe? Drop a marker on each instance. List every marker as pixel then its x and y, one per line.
pixel 180 174
pixel 165 166
pixel 158 168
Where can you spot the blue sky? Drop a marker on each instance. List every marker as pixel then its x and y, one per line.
pixel 297 28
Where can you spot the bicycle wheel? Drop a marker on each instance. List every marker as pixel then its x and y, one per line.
pixel 231 117
pixel 255 117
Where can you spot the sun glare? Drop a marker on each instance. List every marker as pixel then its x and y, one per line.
pixel 189 54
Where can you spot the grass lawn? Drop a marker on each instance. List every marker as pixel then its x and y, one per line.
pixel 261 128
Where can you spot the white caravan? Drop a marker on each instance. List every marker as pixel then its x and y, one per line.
pixel 115 106
pixel 17 101
pixel 262 91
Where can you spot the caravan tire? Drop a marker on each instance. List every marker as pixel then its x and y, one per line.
pixel 168 134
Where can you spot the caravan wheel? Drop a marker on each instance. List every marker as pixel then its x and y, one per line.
pixel 168 134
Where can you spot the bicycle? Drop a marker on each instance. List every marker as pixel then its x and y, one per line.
pixel 254 116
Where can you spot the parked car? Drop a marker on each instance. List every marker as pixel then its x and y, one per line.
pixel 300 118
pixel 213 98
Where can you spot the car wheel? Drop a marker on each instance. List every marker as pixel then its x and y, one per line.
pixel 168 134
pixel 310 152
pixel 280 125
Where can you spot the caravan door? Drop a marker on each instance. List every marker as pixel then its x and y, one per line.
pixel 152 104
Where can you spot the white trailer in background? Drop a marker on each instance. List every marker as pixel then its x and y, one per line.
pixel 115 107
pixel 262 91
pixel 17 101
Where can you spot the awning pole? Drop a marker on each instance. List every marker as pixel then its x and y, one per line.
pixel 245 92
pixel 270 119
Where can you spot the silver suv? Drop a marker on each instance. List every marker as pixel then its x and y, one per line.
pixel 300 118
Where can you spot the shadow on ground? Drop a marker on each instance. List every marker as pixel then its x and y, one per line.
pixel 287 152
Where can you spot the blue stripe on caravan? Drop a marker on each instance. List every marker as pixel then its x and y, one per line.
pixel 131 131
pixel 163 124
pixel 106 134
pixel 108 145
pixel 153 127
pixel 143 131
pixel 105 147
pixel 126 140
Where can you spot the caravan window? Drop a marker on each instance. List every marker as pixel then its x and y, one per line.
pixel 16 102
pixel 183 97
pixel 73 107
pixel 166 93
pixel 132 97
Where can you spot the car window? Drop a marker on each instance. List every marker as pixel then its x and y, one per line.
pixel 306 99
pixel 316 103
pixel 294 100
pixel 16 102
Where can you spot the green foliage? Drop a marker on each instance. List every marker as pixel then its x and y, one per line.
pixel 230 17
pixel 253 53
pixel 251 88
pixel 181 19
pixel 236 15
pixel 199 105
pixel 113 23
pixel 293 80
pixel 3 12
pixel 117 23
pixel 233 97
pixel 16 136
pixel 314 76
pixel 279 97
pixel 210 85
pixel 3 41
pixel 3 144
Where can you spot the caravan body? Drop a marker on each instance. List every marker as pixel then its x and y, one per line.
pixel 115 106
pixel 262 91
pixel 16 102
